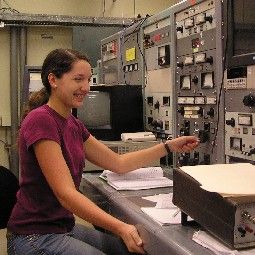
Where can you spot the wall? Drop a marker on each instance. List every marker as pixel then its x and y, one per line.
pixel 112 8
pixel 41 40
pixel 5 92
pixel 38 45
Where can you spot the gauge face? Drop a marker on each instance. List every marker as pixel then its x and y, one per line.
pixel 188 23
pixel 200 18
pixel 185 82
pixel 199 100
pixel 207 81
pixel 245 119
pixel 236 143
pixel 185 100
pixel 200 58
pixel 211 100
pixel 188 60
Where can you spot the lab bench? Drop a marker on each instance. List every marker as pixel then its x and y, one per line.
pixel 126 206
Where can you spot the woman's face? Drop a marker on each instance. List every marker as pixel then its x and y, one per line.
pixel 72 87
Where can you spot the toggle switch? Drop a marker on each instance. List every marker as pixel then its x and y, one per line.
pixel 230 122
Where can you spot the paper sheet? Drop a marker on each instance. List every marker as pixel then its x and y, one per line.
pixel 163 216
pixel 165 212
pixel 208 241
pixel 227 179
pixel 164 201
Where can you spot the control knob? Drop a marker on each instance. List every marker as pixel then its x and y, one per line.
pixel 157 124
pixel 200 111
pixel 211 112
pixel 184 131
pixel 252 151
pixel 156 105
pixel 249 100
pixel 179 29
pixel 160 122
pixel 180 64
pixel 230 122
pixel 209 60
pixel 203 136
pixel 195 79
pixel 181 110
pixel 209 18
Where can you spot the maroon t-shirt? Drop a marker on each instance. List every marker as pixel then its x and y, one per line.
pixel 37 210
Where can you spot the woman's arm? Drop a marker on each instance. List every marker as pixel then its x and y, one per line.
pixel 57 174
pixel 101 155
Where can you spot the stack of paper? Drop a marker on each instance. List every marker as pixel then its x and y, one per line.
pixel 226 179
pixel 142 178
pixel 209 242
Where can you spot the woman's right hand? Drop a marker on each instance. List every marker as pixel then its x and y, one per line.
pixel 131 238
pixel 183 143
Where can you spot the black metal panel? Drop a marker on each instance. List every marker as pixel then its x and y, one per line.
pixel 87 40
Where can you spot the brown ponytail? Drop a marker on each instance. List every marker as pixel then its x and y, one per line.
pixel 35 100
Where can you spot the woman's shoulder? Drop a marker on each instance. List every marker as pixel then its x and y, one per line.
pixel 41 110
pixel 39 115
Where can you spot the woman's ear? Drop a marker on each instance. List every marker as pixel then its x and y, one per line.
pixel 52 80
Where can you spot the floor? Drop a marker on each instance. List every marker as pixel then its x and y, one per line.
pixel 3 250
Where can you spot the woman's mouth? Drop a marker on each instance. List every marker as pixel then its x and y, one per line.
pixel 79 96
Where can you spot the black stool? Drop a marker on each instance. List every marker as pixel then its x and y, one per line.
pixel 9 186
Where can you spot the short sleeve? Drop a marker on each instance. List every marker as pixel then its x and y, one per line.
pixel 38 126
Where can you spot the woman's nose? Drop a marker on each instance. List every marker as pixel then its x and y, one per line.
pixel 85 87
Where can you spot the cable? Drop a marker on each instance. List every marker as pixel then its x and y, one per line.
pixel 2 141
pixel 103 8
pixel 144 60
pixel 7 4
pixel 8 8
pixel 134 8
pixel 122 42
pixel 135 29
pixel 222 81
pixel 121 58
pixel 5 9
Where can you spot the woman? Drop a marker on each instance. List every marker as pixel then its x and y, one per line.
pixel 52 147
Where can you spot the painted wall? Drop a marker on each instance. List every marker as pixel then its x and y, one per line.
pixel 41 40
pixel 5 93
pixel 107 8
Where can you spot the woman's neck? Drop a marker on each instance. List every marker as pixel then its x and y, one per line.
pixel 63 111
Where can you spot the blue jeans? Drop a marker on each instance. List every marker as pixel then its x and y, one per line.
pixel 81 240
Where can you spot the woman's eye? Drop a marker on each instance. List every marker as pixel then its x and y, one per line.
pixel 78 79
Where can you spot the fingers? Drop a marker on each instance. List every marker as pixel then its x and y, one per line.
pixel 136 243
pixel 136 238
pixel 188 147
pixel 132 239
pixel 191 143
pixel 192 139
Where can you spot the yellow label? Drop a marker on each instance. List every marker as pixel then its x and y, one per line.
pixel 130 54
